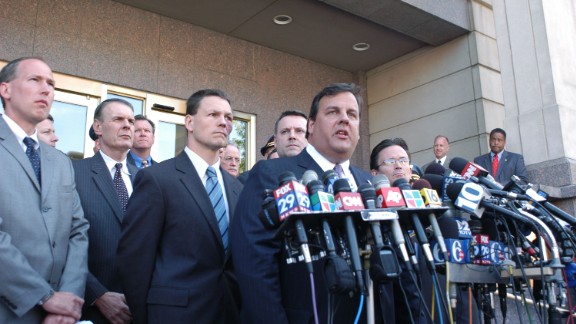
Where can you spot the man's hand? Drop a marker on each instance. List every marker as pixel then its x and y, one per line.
pixel 58 319
pixel 113 306
pixel 64 303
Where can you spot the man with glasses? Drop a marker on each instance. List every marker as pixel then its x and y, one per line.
pixel 230 159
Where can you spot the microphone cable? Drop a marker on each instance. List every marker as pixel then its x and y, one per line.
pixel 359 309
pixel 313 292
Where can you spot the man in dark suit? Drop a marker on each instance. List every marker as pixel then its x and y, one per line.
pixel 139 154
pixel 43 232
pixel 502 164
pixel 174 253
pixel 104 183
pixel 274 291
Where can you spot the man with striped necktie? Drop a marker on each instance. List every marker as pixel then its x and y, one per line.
pixel 174 255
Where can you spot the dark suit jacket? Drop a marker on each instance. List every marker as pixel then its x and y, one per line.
pixel 510 164
pixel 130 160
pixel 43 232
pixel 171 257
pixel 272 291
pixel 103 210
pixel 446 164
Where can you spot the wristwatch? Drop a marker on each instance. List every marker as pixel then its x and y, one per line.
pixel 46 297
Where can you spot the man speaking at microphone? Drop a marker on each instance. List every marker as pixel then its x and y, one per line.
pixel 272 290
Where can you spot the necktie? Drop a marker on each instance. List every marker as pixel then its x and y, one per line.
pixel 33 156
pixel 120 186
pixel 495 165
pixel 439 161
pixel 144 163
pixel 217 199
pixel 340 171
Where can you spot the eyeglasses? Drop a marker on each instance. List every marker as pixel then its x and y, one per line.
pixel 229 159
pixel 392 162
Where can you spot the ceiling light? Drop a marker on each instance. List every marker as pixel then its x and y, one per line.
pixel 282 20
pixel 359 47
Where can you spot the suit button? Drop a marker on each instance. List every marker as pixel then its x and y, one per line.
pixel 54 244
pixel 45 209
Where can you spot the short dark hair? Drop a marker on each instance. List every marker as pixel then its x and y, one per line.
pixel 382 145
pixel 498 130
pixel 92 134
pixel 288 113
pixel 50 118
pixel 193 102
pixel 142 117
pixel 332 90
pixel 8 72
pixel 103 104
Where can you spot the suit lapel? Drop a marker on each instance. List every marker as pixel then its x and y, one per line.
pixel 192 182
pixel 103 180
pixel 46 163
pixel 8 140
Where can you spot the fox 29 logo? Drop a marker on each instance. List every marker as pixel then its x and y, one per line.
pixel 291 198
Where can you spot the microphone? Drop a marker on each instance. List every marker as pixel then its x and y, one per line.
pixel 292 197
pixel 268 214
pixel 435 168
pixel 468 197
pixel 368 195
pixel 344 198
pixel 432 200
pixel 328 178
pixel 413 198
pixel 347 200
pixel 385 198
pixel 470 170
pixel 308 176
pixel 319 199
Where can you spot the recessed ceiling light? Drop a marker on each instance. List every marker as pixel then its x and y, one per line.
pixel 282 20
pixel 359 47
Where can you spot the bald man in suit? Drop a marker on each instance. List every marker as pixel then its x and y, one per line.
pixel 43 232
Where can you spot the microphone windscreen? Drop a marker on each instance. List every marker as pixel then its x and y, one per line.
pixel 453 190
pixel 341 185
pixel 421 184
pixel 436 181
pixel 401 183
pixel 314 186
pixel 448 227
pixel 435 168
pixel 328 175
pixel 308 176
pixel 285 177
pixel 380 181
pixel 458 164
pixel 367 191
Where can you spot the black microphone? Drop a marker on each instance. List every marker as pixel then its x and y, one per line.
pixel 268 213
pixel 408 193
pixel 342 192
pixel 473 171
pixel 328 178
pixel 292 196
pixel 368 195
pixel 435 168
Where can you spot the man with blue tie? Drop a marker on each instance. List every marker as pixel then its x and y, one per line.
pixel 43 232
pixel 104 183
pixel 139 154
pixel 174 251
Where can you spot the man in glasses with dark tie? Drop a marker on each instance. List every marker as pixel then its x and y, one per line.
pixel 43 232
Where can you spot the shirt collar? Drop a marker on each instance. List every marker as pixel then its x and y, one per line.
pixel 324 163
pixel 20 133
pixel 111 163
pixel 138 160
pixel 200 165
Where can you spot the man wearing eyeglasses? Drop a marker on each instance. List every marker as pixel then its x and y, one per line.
pixel 391 160
pixel 230 159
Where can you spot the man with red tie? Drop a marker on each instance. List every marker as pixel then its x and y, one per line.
pixel 502 164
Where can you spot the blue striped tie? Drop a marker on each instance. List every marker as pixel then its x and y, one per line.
pixel 33 156
pixel 217 199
